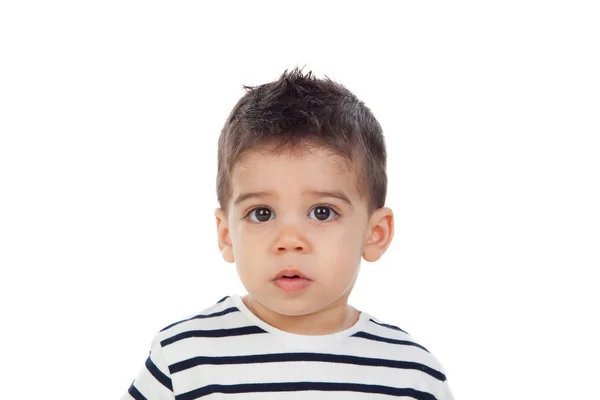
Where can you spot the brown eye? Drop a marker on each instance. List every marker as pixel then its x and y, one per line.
pixel 323 213
pixel 261 214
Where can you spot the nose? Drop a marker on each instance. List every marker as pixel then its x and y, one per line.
pixel 290 239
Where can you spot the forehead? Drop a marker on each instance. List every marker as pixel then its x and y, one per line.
pixel 317 168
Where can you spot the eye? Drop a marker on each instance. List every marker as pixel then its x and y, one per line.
pixel 263 215
pixel 260 215
pixel 322 213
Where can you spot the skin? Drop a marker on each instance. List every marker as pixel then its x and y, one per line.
pixel 325 246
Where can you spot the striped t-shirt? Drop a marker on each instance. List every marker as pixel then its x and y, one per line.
pixel 227 352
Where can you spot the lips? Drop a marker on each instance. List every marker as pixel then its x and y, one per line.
pixel 292 285
pixel 290 273
pixel 291 280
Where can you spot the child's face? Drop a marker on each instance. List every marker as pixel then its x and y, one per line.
pixel 295 227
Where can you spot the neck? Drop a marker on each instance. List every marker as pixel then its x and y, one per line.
pixel 332 319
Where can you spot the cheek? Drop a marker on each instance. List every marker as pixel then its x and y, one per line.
pixel 248 233
pixel 344 241
pixel 343 252
pixel 240 239
pixel 246 248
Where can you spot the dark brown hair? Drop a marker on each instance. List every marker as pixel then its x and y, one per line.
pixel 299 111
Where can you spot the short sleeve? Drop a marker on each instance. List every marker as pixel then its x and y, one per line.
pixel 444 391
pixel 153 381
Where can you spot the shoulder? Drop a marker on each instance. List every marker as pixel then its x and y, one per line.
pixel 203 320
pixel 398 344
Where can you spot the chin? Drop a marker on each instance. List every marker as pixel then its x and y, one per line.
pixel 292 307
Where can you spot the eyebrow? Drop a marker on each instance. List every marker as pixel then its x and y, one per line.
pixel 337 194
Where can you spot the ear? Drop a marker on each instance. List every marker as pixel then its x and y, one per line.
pixel 379 234
pixel 223 236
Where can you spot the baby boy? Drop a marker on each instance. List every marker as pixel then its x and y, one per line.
pixel 301 186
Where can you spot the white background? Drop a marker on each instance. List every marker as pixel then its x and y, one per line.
pixel 109 117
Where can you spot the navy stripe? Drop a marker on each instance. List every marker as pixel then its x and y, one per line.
pixel 305 386
pixel 389 326
pixel 202 316
pixel 136 393
pixel 220 333
pixel 159 375
pixel 369 336
pixel 315 357
pixel 223 299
